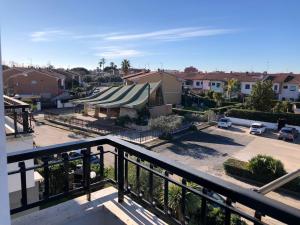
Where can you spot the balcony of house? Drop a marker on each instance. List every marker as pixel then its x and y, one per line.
pixel 109 181
pixel 17 117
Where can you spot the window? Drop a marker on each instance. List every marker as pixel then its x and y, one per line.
pixel 218 85
pixel 201 82
pixel 292 99
pixel 285 87
pixel 213 84
pixel 275 87
pixel 247 86
pixel 33 82
pixel 293 88
pixel 198 83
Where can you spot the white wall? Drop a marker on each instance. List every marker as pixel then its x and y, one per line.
pixel 14 145
pixel 287 93
pixel 218 87
pixel 206 85
pixel 245 122
pixel 243 87
pixel 199 82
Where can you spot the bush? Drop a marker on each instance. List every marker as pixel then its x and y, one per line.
pixel 166 124
pixel 194 117
pixel 241 169
pixel 291 118
pixel 123 120
pixel 266 168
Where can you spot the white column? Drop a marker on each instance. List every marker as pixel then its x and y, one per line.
pixel 4 201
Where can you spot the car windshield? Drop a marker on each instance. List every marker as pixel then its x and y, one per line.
pixel 224 120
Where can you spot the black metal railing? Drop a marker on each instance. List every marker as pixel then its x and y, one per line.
pixel 154 180
pixel 17 116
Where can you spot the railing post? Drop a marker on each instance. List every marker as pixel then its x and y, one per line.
pixel 101 161
pixel 116 165
pixel 166 193
pixel 23 183
pixel 228 212
pixel 151 185
pixel 126 171
pixel 138 183
pixel 15 122
pixel 87 172
pixel 25 121
pixel 257 215
pixel 65 157
pixel 46 177
pixel 183 200
pixel 120 175
pixel 203 208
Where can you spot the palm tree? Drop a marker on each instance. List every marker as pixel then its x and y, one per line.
pixel 125 66
pixel 101 63
pixel 232 86
pixel 218 98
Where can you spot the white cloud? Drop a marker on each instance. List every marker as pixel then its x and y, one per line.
pixel 172 34
pixel 91 36
pixel 111 52
pixel 46 35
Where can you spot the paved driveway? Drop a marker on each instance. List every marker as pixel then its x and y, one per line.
pixel 206 150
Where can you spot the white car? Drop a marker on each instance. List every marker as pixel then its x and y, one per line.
pixel 257 128
pixel 224 123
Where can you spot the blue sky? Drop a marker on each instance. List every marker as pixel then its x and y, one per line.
pixel 236 35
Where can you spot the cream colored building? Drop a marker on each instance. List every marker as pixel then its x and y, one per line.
pixel 171 85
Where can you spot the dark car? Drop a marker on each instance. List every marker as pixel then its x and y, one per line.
pixel 93 158
pixel 288 133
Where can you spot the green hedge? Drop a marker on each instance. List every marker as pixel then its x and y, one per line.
pixel 224 109
pixel 182 112
pixel 241 169
pixel 292 119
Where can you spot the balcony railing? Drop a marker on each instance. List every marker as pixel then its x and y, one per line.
pixel 17 117
pixel 153 177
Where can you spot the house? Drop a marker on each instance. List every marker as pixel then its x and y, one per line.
pixel 171 85
pixel 286 85
pixel 31 81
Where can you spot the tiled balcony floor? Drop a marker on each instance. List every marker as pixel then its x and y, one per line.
pixel 103 209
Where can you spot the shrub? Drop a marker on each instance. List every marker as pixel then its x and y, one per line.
pixel 194 117
pixel 241 169
pixel 266 168
pixel 166 124
pixel 291 118
pixel 123 120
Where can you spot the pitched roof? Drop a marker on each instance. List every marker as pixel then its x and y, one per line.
pixel 137 76
pixel 17 70
pixel 284 78
pixel 221 76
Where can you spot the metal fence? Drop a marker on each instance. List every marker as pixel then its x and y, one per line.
pixel 156 167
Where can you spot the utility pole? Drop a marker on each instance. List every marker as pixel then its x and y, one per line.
pixel 4 202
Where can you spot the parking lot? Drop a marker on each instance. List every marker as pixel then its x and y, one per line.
pixel 206 150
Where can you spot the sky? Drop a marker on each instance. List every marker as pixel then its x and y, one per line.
pixel 231 35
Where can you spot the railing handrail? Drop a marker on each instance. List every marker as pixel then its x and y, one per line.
pixel 262 204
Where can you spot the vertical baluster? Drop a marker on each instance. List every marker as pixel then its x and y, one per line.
pixel 166 193
pixel 126 171
pixel 87 171
pixel 46 177
pixel 101 161
pixel 65 157
pixel 138 171
pixel 25 121
pixel 120 175
pixel 183 200
pixel 116 165
pixel 23 183
pixel 203 209
pixel 151 185
pixel 228 212
pixel 257 216
pixel 15 122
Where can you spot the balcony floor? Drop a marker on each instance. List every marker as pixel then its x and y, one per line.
pixel 103 209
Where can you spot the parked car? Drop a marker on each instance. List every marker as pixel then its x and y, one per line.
pixel 288 133
pixel 257 128
pixel 93 158
pixel 224 123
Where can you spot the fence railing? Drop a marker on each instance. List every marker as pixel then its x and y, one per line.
pixel 149 179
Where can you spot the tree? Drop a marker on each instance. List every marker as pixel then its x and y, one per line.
pixel 80 70
pixel 190 69
pixel 218 98
pixel 261 96
pixel 4 67
pixel 125 66
pixel 101 63
pixel 233 85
